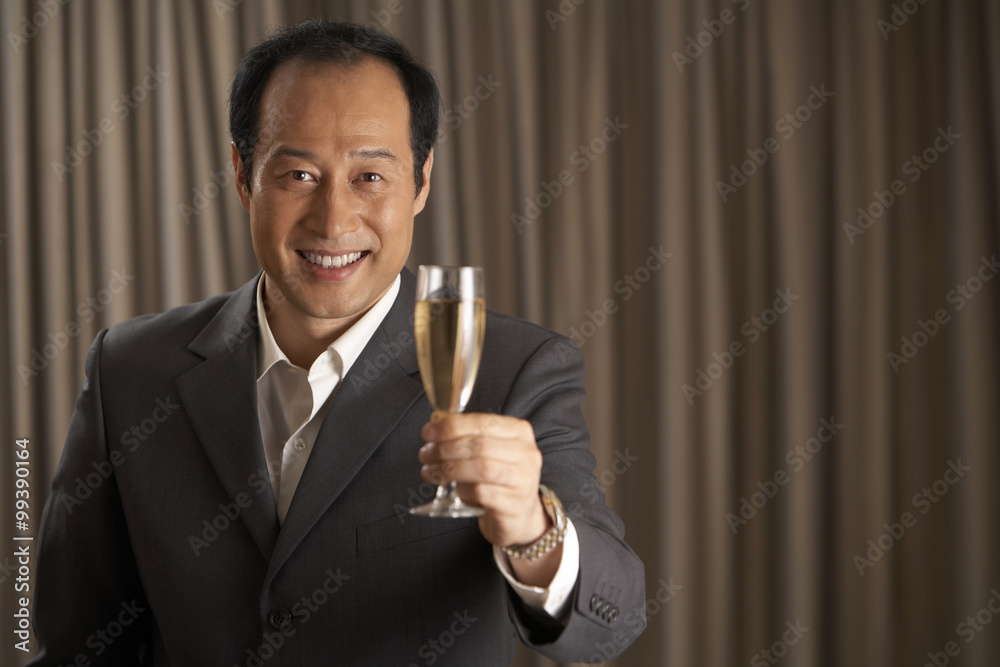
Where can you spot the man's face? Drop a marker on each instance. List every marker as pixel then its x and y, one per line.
pixel 333 198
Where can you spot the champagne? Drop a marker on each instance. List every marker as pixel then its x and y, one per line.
pixel 449 326
pixel 449 336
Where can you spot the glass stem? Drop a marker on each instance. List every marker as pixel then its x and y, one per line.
pixel 447 492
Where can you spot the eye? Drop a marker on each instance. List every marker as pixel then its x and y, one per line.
pixel 369 177
pixel 299 175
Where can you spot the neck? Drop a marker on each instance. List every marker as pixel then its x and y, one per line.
pixel 302 338
pixel 300 345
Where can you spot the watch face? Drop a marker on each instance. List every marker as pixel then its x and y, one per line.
pixel 557 514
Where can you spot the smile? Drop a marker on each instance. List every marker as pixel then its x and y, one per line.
pixel 332 261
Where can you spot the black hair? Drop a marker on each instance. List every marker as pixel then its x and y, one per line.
pixel 347 44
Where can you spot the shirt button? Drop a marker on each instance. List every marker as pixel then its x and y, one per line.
pixel 299 444
pixel 279 618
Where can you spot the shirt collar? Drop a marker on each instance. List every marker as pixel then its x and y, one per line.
pixel 347 347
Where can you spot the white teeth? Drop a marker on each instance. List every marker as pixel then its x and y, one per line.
pixel 328 262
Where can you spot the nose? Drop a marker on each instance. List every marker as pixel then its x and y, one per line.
pixel 335 211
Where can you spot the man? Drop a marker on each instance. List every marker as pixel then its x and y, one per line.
pixel 255 453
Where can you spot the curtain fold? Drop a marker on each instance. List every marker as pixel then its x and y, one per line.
pixel 771 227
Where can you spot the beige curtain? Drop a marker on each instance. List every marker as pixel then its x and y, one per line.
pixel 795 411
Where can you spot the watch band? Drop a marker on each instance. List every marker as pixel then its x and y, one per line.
pixel 552 537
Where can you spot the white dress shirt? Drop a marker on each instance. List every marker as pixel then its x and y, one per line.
pixel 292 402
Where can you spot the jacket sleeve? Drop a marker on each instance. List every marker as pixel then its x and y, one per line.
pixel 607 611
pixel 88 599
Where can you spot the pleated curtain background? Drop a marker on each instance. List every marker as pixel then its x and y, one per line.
pixel 776 467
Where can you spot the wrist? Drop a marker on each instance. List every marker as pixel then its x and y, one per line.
pixel 539 524
pixel 549 529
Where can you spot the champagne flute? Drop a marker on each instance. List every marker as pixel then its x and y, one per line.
pixel 449 327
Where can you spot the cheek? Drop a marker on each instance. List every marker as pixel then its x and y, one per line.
pixel 266 234
pixel 265 219
pixel 392 221
pixel 260 232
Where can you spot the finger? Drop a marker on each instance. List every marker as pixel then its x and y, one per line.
pixel 487 424
pixel 501 502
pixel 472 447
pixel 480 471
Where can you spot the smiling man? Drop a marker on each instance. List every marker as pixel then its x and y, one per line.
pixel 331 196
pixel 257 524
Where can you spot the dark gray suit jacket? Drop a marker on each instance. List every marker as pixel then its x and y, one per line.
pixel 161 544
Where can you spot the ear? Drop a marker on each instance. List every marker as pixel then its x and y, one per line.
pixel 241 183
pixel 418 203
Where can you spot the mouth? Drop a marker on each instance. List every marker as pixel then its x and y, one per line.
pixel 329 261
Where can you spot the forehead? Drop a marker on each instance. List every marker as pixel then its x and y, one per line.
pixel 321 99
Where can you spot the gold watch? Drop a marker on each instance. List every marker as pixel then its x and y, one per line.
pixel 552 537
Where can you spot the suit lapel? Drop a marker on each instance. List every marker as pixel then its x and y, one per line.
pixel 363 411
pixel 220 397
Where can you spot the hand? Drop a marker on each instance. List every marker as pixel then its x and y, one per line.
pixel 496 464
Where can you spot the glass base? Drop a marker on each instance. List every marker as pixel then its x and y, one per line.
pixel 448 505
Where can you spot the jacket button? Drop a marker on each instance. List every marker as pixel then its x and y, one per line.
pixel 279 618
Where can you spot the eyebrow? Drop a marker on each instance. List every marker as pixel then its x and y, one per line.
pixel 287 151
pixel 374 154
